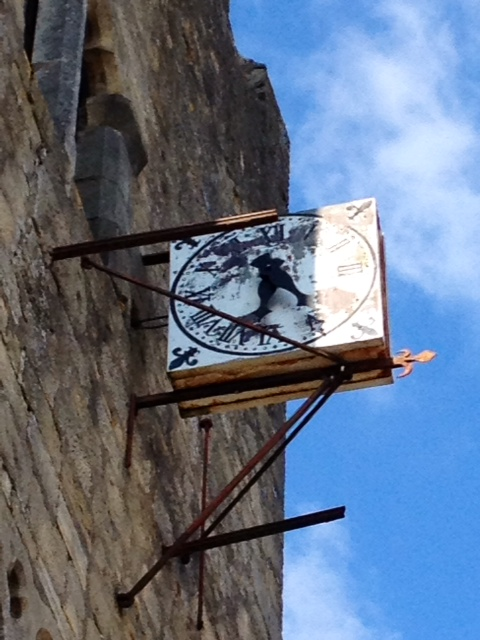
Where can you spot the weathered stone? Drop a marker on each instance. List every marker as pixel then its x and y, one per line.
pixel 82 525
pixel 72 541
pixel 53 600
pixel 57 56
pixel 103 177
pixel 116 111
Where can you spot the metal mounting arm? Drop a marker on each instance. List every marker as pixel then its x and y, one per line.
pixel 260 531
pixel 163 235
pixel 325 391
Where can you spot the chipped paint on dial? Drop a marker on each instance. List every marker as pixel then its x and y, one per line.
pixel 326 266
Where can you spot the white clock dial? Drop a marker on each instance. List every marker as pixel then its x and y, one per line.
pixel 303 277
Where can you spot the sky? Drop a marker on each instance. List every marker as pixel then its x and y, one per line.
pixel 382 99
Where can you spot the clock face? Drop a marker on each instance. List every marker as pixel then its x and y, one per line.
pixel 304 277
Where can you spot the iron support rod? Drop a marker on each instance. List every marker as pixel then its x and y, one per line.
pixel 125 600
pixel 282 380
pixel 184 232
pixel 138 323
pixel 260 531
pixel 161 257
pixel 278 451
pixel 87 263
pixel 242 386
pixel 206 425
pixel 132 413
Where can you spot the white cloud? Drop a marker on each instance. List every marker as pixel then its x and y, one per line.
pixel 321 599
pixel 392 116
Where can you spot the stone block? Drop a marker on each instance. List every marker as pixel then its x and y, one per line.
pixel 103 177
pixel 116 111
pixel 72 541
pixel 57 60
pixel 103 154
pixel 53 600
pixel 60 30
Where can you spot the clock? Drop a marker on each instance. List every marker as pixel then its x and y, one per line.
pixel 315 277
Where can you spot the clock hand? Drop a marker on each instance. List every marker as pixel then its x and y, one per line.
pixel 270 271
pixel 265 291
pixel 273 277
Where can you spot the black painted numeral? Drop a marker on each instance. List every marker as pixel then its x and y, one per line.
pixel 234 334
pixel 204 295
pixel 264 340
pixel 273 233
pixel 206 320
pixel 207 267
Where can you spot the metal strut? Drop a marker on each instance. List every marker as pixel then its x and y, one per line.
pixel 206 426
pixel 274 456
pixel 184 232
pixel 126 599
pixel 136 402
pixel 261 531
pixel 332 376
pixel 404 360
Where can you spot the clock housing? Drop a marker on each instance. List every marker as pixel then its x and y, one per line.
pixel 316 277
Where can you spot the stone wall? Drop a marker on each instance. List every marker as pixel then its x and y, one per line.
pixel 75 525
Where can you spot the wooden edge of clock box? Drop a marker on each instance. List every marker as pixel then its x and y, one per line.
pixel 289 362
pixel 383 287
pixel 294 362
pixel 277 395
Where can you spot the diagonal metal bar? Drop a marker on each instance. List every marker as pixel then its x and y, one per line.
pixel 260 531
pixel 328 392
pixel 184 232
pixel 87 263
pixel 205 425
pixel 127 599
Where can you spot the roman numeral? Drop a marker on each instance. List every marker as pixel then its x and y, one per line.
pixel 265 340
pixel 273 233
pixel 339 245
pixel 234 334
pixel 203 295
pixel 206 320
pixel 207 267
pixel 349 269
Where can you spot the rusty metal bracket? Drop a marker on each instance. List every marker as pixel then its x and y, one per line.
pixel 132 414
pixel 319 397
pixel 155 322
pixel 178 396
pixel 205 425
pixel 259 531
pixel 87 263
pixel 145 238
pixel 336 374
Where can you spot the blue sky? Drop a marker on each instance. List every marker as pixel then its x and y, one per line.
pixel 383 99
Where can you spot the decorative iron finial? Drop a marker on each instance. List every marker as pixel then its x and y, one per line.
pixel 406 359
